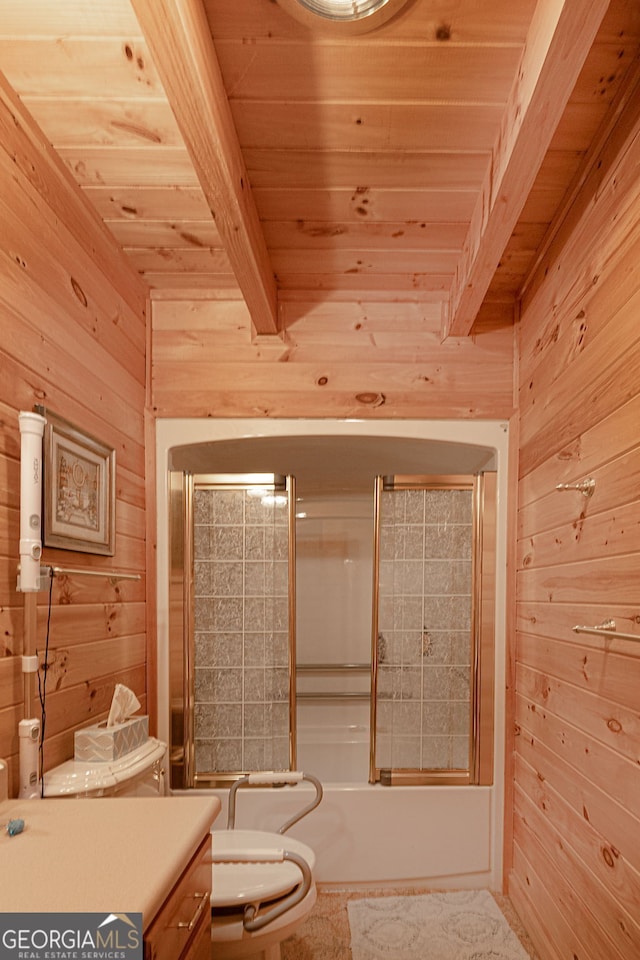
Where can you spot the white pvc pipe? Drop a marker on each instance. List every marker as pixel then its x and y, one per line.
pixel 31 433
pixel 29 736
pixel 4 781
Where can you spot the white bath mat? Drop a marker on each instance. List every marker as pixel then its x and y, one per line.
pixel 465 925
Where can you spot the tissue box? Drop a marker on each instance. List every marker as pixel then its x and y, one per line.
pixel 102 743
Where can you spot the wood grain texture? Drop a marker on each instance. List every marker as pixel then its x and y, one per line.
pixel 73 320
pixel 433 119
pixel 575 876
pixel 532 114
pixel 382 359
pixel 182 44
pixel 369 165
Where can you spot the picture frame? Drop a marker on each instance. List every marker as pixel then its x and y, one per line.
pixel 78 489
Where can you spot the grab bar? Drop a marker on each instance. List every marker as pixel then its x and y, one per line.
pixel 278 778
pixel 331 667
pixel 327 695
pixel 251 922
pixel 607 629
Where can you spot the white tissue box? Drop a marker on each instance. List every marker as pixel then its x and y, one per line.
pixel 102 743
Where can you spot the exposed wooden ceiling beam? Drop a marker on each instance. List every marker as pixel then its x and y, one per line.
pixel 561 35
pixel 179 38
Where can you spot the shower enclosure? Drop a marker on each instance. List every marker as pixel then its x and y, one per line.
pixel 432 689
pixel 340 625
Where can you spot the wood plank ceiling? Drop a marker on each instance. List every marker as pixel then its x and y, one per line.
pixel 235 151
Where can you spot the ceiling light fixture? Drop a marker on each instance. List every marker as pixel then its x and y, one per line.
pixel 343 9
pixel 355 16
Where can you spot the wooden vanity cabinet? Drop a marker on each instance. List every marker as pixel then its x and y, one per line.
pixel 181 930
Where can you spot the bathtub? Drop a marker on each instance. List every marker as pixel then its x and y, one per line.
pixel 367 835
pixel 363 834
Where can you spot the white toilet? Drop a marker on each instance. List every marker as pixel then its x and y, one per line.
pixel 138 773
pixel 263 884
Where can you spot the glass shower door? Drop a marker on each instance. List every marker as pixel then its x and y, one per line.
pixel 427 678
pixel 239 698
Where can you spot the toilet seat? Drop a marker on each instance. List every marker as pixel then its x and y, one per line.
pixel 238 883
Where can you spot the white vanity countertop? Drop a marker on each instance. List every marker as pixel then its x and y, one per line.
pixel 114 855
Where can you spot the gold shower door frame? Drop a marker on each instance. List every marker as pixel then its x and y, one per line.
pixel 181 622
pixel 483 574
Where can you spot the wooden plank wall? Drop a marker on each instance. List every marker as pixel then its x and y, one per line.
pixel 72 315
pixel 343 355
pixel 575 876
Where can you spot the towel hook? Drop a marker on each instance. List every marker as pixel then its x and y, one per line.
pixel 586 487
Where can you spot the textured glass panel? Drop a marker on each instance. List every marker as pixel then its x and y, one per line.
pixel 424 700
pixel 241 619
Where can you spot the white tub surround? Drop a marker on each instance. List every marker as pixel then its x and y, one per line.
pixel 116 855
pixel 449 836
pixel 368 835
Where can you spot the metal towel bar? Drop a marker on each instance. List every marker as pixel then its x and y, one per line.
pixel 607 629
pixel 331 667
pixel 324 695
pixel 86 572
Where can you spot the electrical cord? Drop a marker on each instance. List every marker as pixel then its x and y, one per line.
pixel 42 685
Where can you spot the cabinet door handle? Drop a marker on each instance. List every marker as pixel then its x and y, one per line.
pixel 190 924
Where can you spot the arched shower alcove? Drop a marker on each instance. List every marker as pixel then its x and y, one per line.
pixel 335 466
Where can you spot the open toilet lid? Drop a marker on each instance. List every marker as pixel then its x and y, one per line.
pixel 238 883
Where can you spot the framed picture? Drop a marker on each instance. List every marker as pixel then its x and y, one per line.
pixel 79 489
